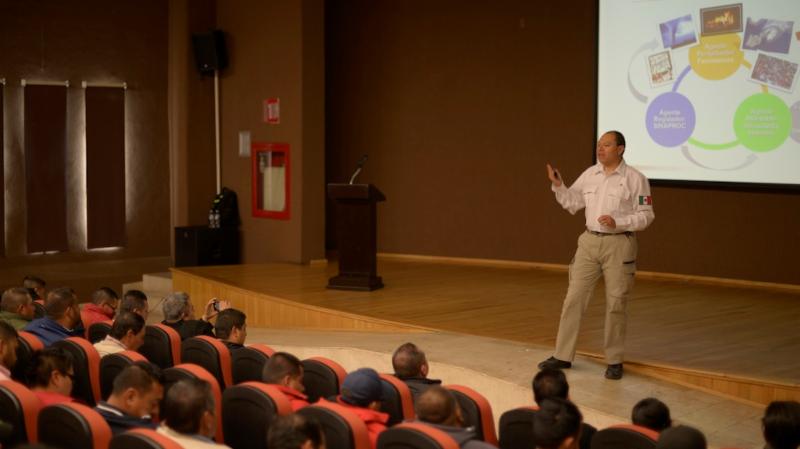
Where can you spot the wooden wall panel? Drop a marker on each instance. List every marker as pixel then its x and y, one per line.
pixel 105 167
pixel 45 166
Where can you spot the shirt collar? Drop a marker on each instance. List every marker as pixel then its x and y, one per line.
pixel 598 168
pixel 105 406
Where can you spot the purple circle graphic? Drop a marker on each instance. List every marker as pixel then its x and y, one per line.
pixel 670 119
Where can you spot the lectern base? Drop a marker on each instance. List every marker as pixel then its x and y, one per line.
pixel 355 282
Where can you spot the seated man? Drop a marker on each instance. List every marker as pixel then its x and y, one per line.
pixel 681 437
pixel 127 334
pixel 8 350
pixel 38 285
pixel 295 432
pixel 362 393
pixel 135 397
pixel 285 371
pixel 134 301
pixel 411 366
pixel 651 413
pixel 52 376
pixel 179 315
pixel 439 408
pixel 105 302
pixel 557 425
pixel 551 383
pixel 231 328
pixel 781 425
pixel 16 307
pixel 189 415
pixel 62 317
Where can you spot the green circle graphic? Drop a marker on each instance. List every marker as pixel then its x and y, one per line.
pixel 762 122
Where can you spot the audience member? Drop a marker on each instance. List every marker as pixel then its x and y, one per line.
pixel 62 317
pixel 52 376
pixel 135 398
pixel 179 315
pixel 134 301
pixel 38 285
pixel 8 349
pixel 781 425
pixel 557 424
pixel 189 415
pixel 362 393
pixel 651 413
pixel 16 307
pixel 231 328
pixel 295 432
pixel 411 366
pixel 551 383
pixel 438 408
pixel 681 437
pixel 285 371
pixel 102 308
pixel 127 333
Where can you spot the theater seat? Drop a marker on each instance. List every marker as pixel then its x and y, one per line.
pixel 248 363
pixel 28 345
pixel 162 345
pixel 397 401
pixel 626 436
pixel 343 429
pixel 73 426
pixel 322 378
pixel 211 354
pixel 143 439
pixel 113 364
pixel 248 406
pixel 415 436
pixel 192 371
pixel 98 331
pixel 86 383
pixel 516 428
pixel 477 412
pixel 19 407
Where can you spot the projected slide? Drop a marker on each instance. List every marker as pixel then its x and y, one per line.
pixel 703 91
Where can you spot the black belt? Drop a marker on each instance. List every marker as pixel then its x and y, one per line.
pixel 603 234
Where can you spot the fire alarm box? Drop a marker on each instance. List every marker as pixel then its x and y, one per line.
pixel 271 180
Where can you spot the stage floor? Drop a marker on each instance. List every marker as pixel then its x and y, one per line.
pixel 748 333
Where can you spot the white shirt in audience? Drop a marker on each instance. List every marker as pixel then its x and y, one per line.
pixel 189 441
pixel 109 346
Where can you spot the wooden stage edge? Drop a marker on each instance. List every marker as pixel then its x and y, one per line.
pixel 274 311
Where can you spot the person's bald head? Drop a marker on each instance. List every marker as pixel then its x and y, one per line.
pixel 437 405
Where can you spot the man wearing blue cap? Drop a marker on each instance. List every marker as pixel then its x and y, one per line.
pixel 362 393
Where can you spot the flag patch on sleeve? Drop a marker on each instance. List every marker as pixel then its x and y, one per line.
pixel 645 200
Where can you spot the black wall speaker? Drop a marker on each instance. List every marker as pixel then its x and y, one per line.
pixel 209 51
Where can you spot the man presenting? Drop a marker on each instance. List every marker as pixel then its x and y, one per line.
pixel 618 203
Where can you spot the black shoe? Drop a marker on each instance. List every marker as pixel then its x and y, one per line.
pixel 554 363
pixel 614 372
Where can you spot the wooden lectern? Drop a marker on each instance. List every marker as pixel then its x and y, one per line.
pixel 356 228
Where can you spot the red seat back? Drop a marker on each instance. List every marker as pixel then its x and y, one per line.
pixel 86 384
pixel 322 378
pixel 113 364
pixel 192 371
pixel 211 354
pixel 143 439
pixel 413 435
pixel 29 344
pixel 248 406
pixel 343 429
pixel 248 363
pixel 397 402
pixel 629 436
pixel 20 408
pixel 162 345
pixel 477 412
pixel 73 426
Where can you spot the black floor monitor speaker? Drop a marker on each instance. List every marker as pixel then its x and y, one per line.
pixel 209 51
pixel 201 245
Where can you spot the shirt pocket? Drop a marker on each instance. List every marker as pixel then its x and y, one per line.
pixel 619 197
pixel 589 195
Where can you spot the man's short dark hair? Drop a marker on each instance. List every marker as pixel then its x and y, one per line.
pixel 185 403
pixel 15 297
pixel 651 413
pixel 45 362
pixel 58 301
pixel 292 431
pixel 618 137
pixel 681 437
pixel 782 425
pixel 33 282
pixel 556 420
pixel 227 320
pixel 549 383
pixel 436 405
pixel 124 322
pixel 133 300
pixel 103 294
pixel 280 365
pixel 7 332
pixel 141 376
pixel 407 361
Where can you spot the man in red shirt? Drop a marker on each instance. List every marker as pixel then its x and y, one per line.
pixel 362 393
pixel 286 372
pixel 102 308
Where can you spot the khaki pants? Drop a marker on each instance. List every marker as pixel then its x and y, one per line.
pixel 613 256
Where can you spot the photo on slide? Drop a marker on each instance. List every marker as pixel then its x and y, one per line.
pixel 774 72
pixel 659 65
pixel 774 36
pixel 678 32
pixel 721 20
